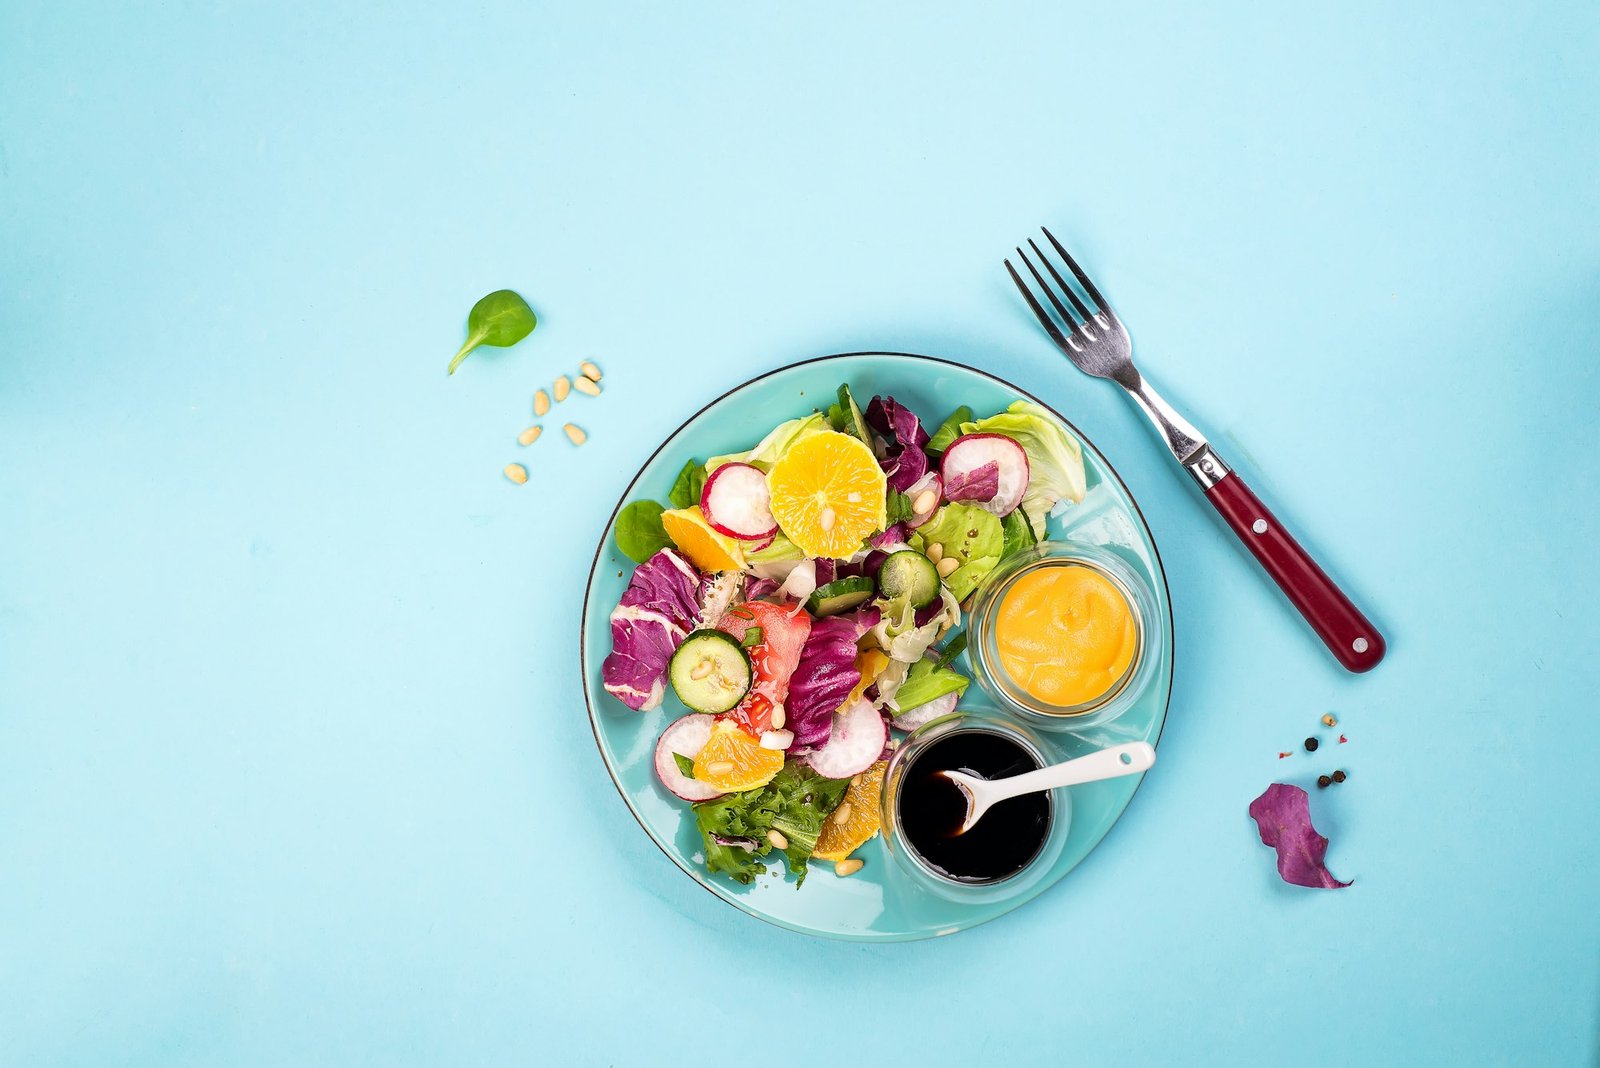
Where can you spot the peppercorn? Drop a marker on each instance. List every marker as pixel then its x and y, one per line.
pixel 1323 781
pixel 1339 776
pixel 1311 745
pixel 1329 720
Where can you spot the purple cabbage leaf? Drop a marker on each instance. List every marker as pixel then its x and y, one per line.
pixel 657 611
pixel 1283 816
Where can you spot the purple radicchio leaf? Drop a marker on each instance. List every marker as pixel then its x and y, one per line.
pixel 756 588
pixel 979 484
pixel 1283 816
pixel 825 676
pixel 658 609
pixel 927 614
pixel 827 570
pixel 747 844
pixel 895 535
pixel 903 462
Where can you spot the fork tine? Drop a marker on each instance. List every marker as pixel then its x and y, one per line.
pixel 1094 294
pixel 1062 282
pixel 1066 316
pixel 1045 321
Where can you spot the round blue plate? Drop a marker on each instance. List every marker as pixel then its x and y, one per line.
pixel 878 903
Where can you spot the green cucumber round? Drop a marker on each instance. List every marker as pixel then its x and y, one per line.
pixel 710 672
pixel 841 595
pixel 909 576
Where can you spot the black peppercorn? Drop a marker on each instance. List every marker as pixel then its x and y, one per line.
pixel 1323 781
pixel 1339 776
pixel 1311 745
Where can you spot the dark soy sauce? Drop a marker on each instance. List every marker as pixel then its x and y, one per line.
pixel 932 807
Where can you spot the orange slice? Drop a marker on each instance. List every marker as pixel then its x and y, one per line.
pixel 841 838
pixel 828 494
pixel 870 662
pixel 700 542
pixel 733 761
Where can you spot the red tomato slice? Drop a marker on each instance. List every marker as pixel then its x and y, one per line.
pixel 772 659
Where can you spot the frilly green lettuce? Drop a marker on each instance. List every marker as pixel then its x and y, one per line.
pixel 1055 462
pixel 783 438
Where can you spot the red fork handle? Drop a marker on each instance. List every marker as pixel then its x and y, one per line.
pixel 1348 634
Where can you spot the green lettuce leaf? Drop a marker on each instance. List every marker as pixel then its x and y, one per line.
pixel 927 681
pixel 783 438
pixel 796 804
pixel 781 550
pixel 1018 533
pixel 1055 462
pixel 967 534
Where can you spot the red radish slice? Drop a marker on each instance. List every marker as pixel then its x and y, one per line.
pixel 924 713
pixel 928 483
pixel 735 503
pixel 970 452
pixel 686 736
pixel 858 737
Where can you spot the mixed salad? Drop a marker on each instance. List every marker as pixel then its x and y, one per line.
pixel 802 600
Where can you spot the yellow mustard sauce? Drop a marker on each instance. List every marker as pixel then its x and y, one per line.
pixel 1065 634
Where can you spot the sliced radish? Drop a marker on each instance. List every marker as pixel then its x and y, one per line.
pixel 736 503
pixel 919 494
pixel 924 713
pixel 686 737
pixel 966 462
pixel 858 736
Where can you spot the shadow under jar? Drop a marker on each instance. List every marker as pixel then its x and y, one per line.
pixel 1062 635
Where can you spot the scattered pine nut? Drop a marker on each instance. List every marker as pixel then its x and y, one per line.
pixel 530 435
pixel 541 402
pixel 947 566
pixel 720 768
pixel 517 473
pixel 826 519
pixel 586 385
pixel 590 370
pixel 842 813
pixel 848 867
pixel 778 840
pixel 563 385
pixel 935 551
pixel 575 435
pixel 1329 720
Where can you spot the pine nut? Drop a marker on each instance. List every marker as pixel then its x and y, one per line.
pixel 590 370
pixel 701 670
pixel 776 739
pixel 848 867
pixel 778 841
pixel 826 519
pixel 924 502
pixel 530 435
pixel 517 473
pixel 541 402
pixel 779 716
pixel 575 435
pixel 935 552
pixel 1330 720
pixel 719 768
pixel 855 780
pixel 947 566
pixel 586 385
pixel 842 813
pixel 563 385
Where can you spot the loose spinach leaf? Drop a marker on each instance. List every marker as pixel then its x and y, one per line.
pixel 752 638
pixel 685 764
pixel 686 490
pixel 897 508
pixel 948 431
pixel 502 318
pixel 955 648
pixel 639 532
pixel 1017 533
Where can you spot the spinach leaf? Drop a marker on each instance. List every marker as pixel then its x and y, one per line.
pixel 897 508
pixel 955 648
pixel 639 532
pixel 948 431
pixel 1017 533
pixel 685 764
pixel 502 318
pixel 686 490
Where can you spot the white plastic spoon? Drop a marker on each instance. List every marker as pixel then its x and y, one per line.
pixel 1110 763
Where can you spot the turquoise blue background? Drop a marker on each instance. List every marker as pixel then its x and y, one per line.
pixel 294 767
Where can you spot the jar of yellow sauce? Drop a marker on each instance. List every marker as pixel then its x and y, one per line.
pixel 1059 634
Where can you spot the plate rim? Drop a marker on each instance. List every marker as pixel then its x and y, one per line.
pixel 600 548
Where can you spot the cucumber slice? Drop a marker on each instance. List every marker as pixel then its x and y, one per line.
pixel 841 595
pixel 909 576
pixel 710 672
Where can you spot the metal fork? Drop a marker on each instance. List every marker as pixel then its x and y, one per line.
pixel 1095 340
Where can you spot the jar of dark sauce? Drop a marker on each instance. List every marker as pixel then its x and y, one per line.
pixel 930 808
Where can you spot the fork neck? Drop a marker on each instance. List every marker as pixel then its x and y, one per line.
pixel 1187 444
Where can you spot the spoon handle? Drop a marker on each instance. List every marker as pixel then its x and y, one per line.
pixel 1109 763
